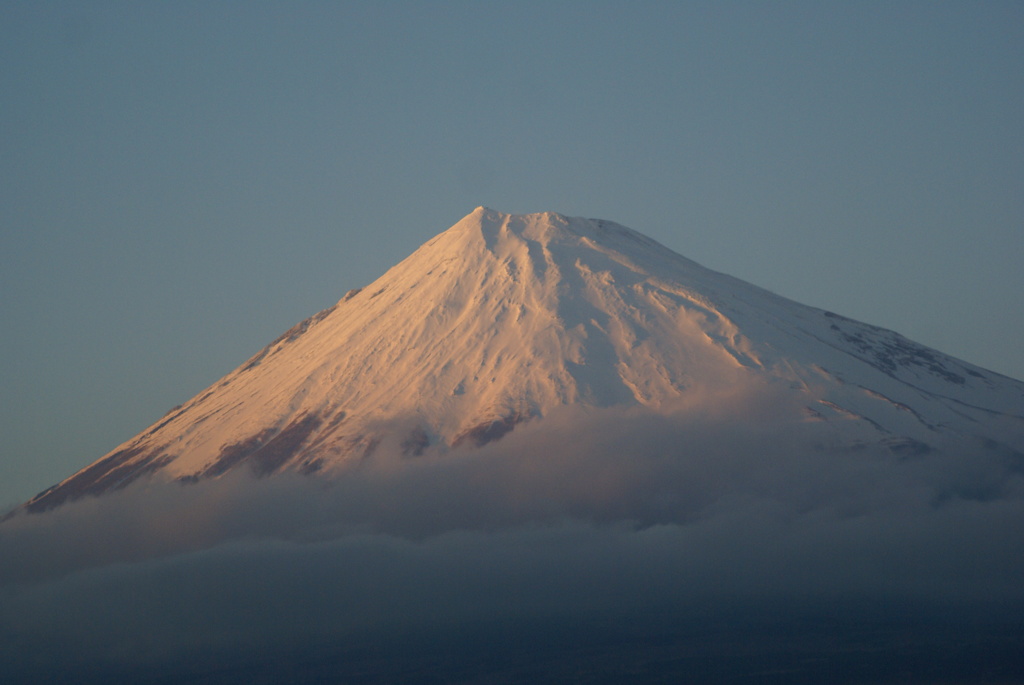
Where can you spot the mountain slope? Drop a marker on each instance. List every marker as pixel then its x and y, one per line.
pixel 504 318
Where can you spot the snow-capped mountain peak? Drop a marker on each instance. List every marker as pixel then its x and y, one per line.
pixel 503 318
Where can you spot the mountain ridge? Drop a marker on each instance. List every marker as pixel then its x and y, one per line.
pixel 502 318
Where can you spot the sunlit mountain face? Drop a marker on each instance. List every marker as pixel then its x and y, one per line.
pixel 544 448
pixel 503 319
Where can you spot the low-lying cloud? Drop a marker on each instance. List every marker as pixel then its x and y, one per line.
pixel 584 516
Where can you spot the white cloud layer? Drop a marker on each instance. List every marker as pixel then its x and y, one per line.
pixel 584 516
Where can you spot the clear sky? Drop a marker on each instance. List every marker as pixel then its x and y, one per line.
pixel 181 182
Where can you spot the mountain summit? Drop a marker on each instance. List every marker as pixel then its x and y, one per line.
pixel 503 319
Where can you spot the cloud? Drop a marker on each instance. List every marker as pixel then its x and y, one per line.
pixel 585 516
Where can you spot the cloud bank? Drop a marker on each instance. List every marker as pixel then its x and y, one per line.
pixel 631 520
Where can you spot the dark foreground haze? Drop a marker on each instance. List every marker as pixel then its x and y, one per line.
pixel 593 546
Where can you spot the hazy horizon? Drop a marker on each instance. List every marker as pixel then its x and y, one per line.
pixel 591 546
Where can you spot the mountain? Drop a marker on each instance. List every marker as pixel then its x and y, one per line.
pixel 504 319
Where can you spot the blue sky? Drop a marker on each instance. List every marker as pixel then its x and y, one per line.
pixel 181 182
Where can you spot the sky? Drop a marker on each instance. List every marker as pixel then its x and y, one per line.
pixel 182 182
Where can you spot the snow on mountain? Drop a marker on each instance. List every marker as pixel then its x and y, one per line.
pixel 503 318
